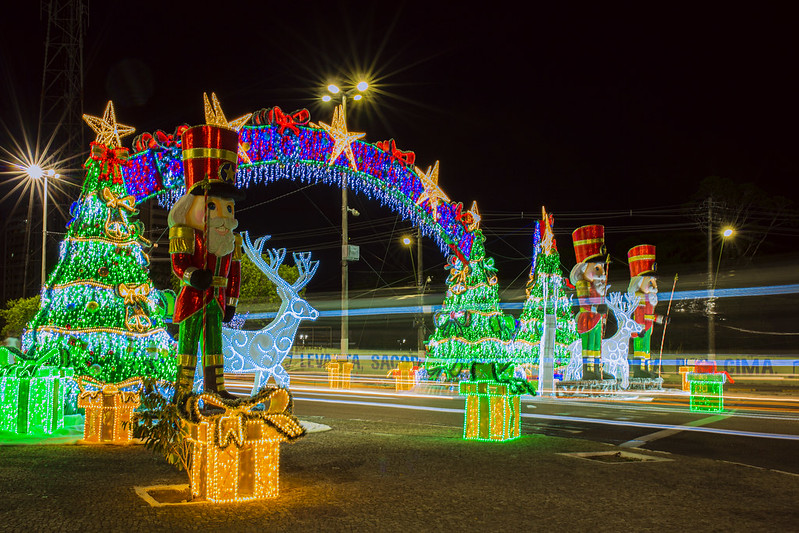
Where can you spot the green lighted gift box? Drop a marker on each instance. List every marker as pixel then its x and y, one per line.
pixel 32 398
pixel 492 411
pixel 707 391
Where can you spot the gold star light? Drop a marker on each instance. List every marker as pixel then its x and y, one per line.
pixel 548 242
pixel 107 129
pixel 216 117
pixel 432 191
pixel 475 222
pixel 341 137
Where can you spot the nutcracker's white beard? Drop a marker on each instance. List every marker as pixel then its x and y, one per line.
pixel 221 244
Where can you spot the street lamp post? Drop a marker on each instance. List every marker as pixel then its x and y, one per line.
pixel 725 234
pixel 353 92
pixel 36 172
pixel 418 278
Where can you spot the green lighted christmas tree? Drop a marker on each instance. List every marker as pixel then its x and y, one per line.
pixel 470 328
pixel 98 307
pixel 546 294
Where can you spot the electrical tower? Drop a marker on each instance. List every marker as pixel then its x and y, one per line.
pixel 61 104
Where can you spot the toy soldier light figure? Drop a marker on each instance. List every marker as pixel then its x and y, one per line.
pixel 590 279
pixel 206 255
pixel 644 285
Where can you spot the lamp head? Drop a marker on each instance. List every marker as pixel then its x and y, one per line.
pixel 34 171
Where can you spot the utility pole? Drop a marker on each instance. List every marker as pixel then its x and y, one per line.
pixel 710 306
pixel 420 293
pixel 345 287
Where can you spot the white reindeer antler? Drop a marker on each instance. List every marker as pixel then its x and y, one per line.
pixel 306 268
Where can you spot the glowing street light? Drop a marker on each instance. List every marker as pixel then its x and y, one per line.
pixel 726 233
pixel 343 95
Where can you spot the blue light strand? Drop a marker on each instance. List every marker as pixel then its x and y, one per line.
pixel 158 172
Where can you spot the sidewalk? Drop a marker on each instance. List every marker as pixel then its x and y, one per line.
pixel 365 476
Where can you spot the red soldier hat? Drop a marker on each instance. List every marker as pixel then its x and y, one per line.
pixel 211 152
pixel 642 260
pixel 589 243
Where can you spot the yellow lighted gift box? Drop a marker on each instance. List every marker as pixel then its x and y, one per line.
pixel 483 388
pixel 108 410
pixel 403 376
pixel 235 473
pixel 235 454
pixel 491 413
pixel 339 374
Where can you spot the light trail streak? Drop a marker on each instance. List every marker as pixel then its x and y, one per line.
pixel 577 419
pixel 768 290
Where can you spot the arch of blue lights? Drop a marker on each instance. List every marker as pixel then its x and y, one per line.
pixel 301 153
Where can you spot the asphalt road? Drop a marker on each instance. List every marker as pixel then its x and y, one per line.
pixel 747 433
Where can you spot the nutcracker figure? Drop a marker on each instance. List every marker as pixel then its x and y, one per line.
pixel 590 279
pixel 643 285
pixel 206 254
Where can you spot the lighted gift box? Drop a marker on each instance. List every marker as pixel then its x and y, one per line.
pixel 492 412
pixel 684 371
pixel 109 409
pixel 236 450
pixel 404 376
pixel 339 374
pixel 32 397
pixel 707 391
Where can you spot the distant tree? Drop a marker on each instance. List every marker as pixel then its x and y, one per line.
pixel 257 288
pixel 17 314
pixel 752 212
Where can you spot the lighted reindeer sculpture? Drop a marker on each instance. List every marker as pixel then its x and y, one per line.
pixel 614 349
pixel 262 351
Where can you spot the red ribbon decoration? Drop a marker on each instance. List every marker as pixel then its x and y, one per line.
pixel 459 255
pixel 110 161
pixel 292 121
pixel 390 147
pixel 147 141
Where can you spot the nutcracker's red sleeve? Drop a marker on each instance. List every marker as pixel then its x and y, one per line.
pixel 181 249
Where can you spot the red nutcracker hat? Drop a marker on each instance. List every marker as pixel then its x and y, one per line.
pixel 211 152
pixel 589 243
pixel 642 260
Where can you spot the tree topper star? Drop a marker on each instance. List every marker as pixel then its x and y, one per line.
pixel 548 242
pixel 341 137
pixel 216 117
pixel 108 131
pixel 432 191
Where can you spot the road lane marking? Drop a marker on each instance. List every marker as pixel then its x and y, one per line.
pixel 635 443
pixel 717 431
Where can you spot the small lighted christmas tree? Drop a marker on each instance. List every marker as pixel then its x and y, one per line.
pixel 546 294
pixel 98 307
pixel 470 328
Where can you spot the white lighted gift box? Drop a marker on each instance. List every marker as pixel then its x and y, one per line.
pixel 236 455
pixel 109 409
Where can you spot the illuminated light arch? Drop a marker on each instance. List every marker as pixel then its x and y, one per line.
pixel 293 148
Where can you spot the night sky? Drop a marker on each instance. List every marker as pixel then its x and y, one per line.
pixel 591 111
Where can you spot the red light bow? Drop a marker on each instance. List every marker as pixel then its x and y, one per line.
pixel 390 147
pixel 110 161
pixel 292 121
